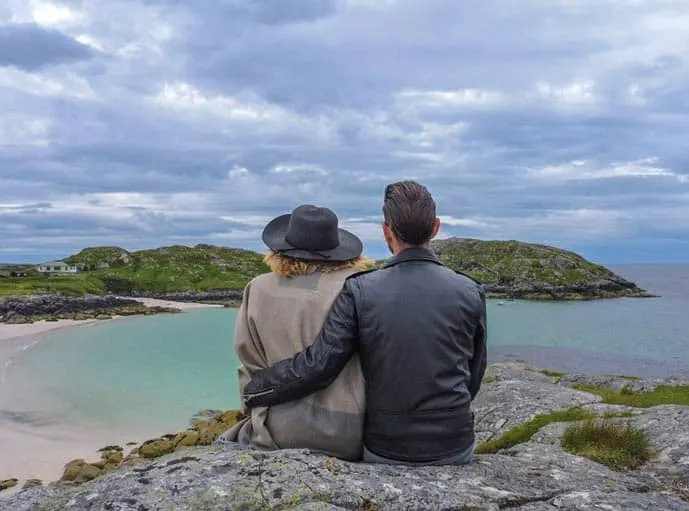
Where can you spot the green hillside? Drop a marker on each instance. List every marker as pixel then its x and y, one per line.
pixel 170 269
pixel 506 268
pixel 527 270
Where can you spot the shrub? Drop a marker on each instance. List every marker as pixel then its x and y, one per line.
pixel 663 395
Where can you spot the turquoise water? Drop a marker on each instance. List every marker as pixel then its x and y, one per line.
pixel 131 373
pixel 159 371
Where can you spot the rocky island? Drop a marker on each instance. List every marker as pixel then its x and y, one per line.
pixel 208 273
pixel 513 269
pixel 547 441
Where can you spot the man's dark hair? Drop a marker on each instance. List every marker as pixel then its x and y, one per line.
pixel 409 210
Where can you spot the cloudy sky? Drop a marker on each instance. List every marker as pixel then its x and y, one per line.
pixel 143 123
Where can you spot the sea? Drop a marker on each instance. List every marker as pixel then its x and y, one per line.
pixel 156 372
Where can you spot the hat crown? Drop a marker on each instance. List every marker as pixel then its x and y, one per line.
pixel 313 228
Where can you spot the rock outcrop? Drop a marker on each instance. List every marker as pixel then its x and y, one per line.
pixel 53 307
pixel 536 474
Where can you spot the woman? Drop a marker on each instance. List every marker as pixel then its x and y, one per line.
pixel 281 314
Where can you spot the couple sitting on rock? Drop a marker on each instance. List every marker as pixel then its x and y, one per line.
pixel 387 360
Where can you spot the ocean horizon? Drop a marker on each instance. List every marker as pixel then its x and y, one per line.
pixel 154 373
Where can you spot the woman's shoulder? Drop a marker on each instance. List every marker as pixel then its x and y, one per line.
pixel 262 281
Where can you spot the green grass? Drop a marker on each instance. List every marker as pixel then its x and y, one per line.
pixel 663 395
pixel 489 379
pixel 620 415
pixel 552 374
pixel 617 446
pixel 76 285
pixel 162 270
pixel 207 267
pixel 178 268
pixel 524 432
pixel 504 262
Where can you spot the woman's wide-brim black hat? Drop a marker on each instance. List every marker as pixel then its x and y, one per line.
pixel 313 234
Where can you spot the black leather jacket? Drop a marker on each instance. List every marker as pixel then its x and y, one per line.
pixel 420 330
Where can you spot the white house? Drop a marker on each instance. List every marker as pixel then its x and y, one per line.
pixel 56 267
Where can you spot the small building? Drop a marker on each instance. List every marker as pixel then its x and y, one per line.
pixel 57 268
pixel 19 273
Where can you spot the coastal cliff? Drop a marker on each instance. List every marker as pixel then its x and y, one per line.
pixel 547 441
pixel 507 269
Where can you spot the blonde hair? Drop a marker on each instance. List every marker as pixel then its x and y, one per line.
pixel 285 266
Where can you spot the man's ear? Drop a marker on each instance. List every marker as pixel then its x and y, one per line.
pixel 436 227
pixel 387 233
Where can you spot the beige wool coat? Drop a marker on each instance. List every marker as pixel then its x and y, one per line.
pixel 279 317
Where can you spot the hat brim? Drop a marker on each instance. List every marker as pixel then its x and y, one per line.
pixel 350 246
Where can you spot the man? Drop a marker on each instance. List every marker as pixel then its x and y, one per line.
pixel 420 331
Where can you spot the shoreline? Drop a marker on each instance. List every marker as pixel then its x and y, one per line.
pixel 18 337
pixel 14 331
pixel 40 451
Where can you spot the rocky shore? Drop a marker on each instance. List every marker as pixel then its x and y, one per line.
pixel 615 287
pixel 229 297
pixel 56 307
pixel 525 420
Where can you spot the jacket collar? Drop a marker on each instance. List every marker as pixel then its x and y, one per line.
pixel 413 254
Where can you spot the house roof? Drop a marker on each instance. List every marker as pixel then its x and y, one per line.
pixel 54 263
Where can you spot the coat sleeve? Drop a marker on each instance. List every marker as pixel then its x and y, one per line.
pixel 479 360
pixel 314 368
pixel 247 345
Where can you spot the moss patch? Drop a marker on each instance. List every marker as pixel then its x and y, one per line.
pixel 664 395
pixel 616 415
pixel 552 374
pixel 524 432
pixel 489 379
pixel 617 446
pixel 7 484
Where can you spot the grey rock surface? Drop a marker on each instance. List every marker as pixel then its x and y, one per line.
pixel 537 475
pixel 213 479
pixel 517 396
pixel 667 428
pixel 619 382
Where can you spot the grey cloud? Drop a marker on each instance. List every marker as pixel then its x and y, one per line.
pixel 335 69
pixel 31 47
pixel 275 12
pixel 358 58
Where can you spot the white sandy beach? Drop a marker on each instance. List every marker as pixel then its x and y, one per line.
pixel 30 451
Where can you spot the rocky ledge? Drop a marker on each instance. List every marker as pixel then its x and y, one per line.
pixel 525 466
pixel 54 307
